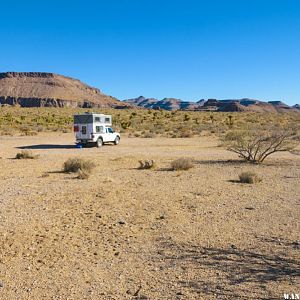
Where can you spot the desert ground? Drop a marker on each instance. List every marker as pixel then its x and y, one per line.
pixel 126 233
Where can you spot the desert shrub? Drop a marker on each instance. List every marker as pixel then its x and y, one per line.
pixel 185 134
pixel 186 118
pixel 125 124
pixel 7 131
pixel 29 133
pixel 148 135
pixel 182 164
pixel 146 164
pixel 256 145
pixel 25 154
pixel 83 174
pixel 249 177
pixel 79 165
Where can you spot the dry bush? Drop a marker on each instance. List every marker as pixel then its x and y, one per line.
pixel 148 135
pixel 27 131
pixel 25 154
pixel 255 145
pixel 249 177
pixel 295 152
pixel 79 165
pixel 182 164
pixel 83 174
pixel 146 164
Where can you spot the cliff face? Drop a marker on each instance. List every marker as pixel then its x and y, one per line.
pixel 36 89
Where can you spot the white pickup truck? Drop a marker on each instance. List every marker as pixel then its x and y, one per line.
pixel 91 128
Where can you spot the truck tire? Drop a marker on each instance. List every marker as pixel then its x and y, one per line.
pixel 99 143
pixel 117 141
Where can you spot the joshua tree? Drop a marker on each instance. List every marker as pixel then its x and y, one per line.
pixel 230 120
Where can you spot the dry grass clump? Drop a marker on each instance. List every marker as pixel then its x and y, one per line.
pixel 148 135
pixel 25 154
pixel 146 164
pixel 79 165
pixel 83 174
pixel 249 177
pixel 182 164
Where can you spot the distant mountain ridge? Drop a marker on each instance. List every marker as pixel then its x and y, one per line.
pixel 38 89
pixel 228 105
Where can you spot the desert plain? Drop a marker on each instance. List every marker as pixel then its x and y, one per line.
pixel 126 233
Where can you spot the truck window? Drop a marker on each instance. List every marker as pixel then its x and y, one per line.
pixel 83 119
pixel 99 129
pixel 110 130
pixel 83 129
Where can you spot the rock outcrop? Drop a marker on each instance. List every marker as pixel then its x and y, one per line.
pixel 37 89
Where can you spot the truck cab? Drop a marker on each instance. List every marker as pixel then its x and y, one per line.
pixel 91 128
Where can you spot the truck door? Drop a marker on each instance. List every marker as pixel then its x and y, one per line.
pixel 83 130
pixel 111 134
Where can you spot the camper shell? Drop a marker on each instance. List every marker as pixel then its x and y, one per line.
pixel 92 128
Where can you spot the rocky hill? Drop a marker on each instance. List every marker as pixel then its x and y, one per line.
pixel 230 105
pixel 36 89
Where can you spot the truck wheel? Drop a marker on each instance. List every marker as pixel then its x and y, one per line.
pixel 117 141
pixel 99 143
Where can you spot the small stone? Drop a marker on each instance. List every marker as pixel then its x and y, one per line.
pixel 249 208
pixel 122 222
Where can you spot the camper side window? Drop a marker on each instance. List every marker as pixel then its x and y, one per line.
pixel 99 128
pixel 107 120
pixel 97 119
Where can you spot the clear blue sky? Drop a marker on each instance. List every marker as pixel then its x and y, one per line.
pixel 185 49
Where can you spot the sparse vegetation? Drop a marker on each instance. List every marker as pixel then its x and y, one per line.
pixel 256 145
pixel 249 177
pixel 26 154
pixel 151 123
pixel 79 165
pixel 182 164
pixel 146 164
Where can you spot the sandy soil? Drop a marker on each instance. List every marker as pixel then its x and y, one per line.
pixel 146 234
